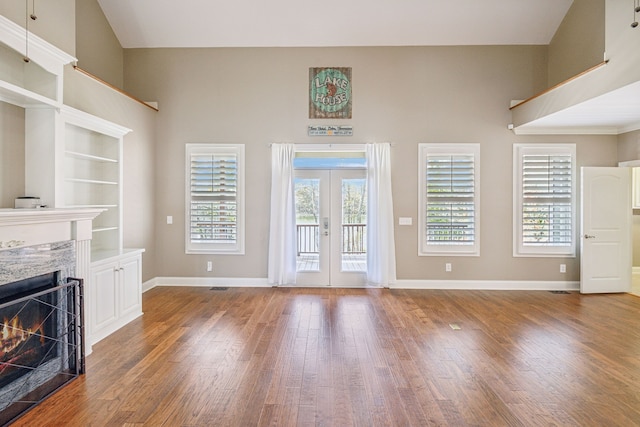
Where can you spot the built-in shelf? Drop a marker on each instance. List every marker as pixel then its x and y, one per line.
pixel 90 157
pixel 101 229
pixel 24 98
pixel 91 181
pixel 91 206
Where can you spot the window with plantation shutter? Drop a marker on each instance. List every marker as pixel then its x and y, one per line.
pixel 215 208
pixel 544 199
pixel 449 199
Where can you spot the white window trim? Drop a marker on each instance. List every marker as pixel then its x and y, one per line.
pixel 520 250
pixel 237 248
pixel 425 249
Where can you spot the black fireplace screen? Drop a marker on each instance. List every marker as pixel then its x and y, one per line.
pixel 41 341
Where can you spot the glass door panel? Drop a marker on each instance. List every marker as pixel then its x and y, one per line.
pixel 308 223
pixel 349 230
pixel 354 225
pixel 312 215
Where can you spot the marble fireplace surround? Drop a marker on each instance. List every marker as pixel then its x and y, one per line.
pixel 26 236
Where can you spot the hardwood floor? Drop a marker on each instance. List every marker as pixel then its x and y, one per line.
pixel 343 357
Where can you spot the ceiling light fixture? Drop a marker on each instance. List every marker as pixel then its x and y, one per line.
pixel 636 9
pixel 33 10
pixel 26 31
pixel 33 17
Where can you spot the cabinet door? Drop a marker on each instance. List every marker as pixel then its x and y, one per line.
pixel 131 286
pixel 105 297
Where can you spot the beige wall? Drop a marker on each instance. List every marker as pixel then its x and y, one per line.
pixel 56 20
pixel 621 46
pixel 97 48
pixel 579 41
pixel 86 94
pixel 629 149
pixel 11 154
pixel 629 146
pixel 402 95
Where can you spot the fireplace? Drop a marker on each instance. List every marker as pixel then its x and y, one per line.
pixel 27 327
pixel 41 326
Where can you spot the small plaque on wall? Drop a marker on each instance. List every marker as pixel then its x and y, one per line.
pixel 330 130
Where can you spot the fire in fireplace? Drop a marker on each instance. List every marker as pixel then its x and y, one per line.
pixel 41 345
pixel 26 329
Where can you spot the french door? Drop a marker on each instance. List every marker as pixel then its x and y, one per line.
pixel 331 214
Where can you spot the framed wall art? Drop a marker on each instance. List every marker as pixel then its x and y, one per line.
pixel 330 94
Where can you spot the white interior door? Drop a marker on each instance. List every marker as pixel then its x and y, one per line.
pixel 605 230
pixel 331 227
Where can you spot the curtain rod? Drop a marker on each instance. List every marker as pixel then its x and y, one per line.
pixel 330 144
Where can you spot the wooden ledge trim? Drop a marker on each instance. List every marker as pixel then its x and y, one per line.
pixel 570 79
pixel 117 89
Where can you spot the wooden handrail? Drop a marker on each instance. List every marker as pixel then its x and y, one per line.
pixel 570 79
pixel 117 89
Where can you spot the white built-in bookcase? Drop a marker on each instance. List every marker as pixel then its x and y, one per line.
pixel 73 160
pixel 92 176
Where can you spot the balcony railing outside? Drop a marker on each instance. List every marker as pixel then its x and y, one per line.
pixel 354 238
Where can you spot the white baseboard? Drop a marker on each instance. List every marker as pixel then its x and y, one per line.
pixel 635 270
pixel 234 282
pixel 259 282
pixel 495 285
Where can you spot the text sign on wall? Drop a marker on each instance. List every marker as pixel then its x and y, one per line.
pixel 330 93
pixel 330 130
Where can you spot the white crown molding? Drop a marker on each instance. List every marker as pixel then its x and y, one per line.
pixel 41 52
pixel 629 128
pixel 541 130
pixel 91 122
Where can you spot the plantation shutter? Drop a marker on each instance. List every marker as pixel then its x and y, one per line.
pixel 214 198
pixel 450 207
pixel 547 200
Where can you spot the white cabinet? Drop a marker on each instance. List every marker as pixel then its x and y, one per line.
pixel 116 294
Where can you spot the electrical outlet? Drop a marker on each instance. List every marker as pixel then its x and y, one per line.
pixel 405 221
pixel 447 267
pixel 209 266
pixel 169 219
pixel 563 268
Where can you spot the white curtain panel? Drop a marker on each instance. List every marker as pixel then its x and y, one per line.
pixel 282 233
pixel 381 251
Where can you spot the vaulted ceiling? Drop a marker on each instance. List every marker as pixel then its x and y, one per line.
pixel 333 23
pixel 306 23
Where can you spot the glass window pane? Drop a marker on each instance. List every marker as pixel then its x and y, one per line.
pixel 354 225
pixel 307 194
